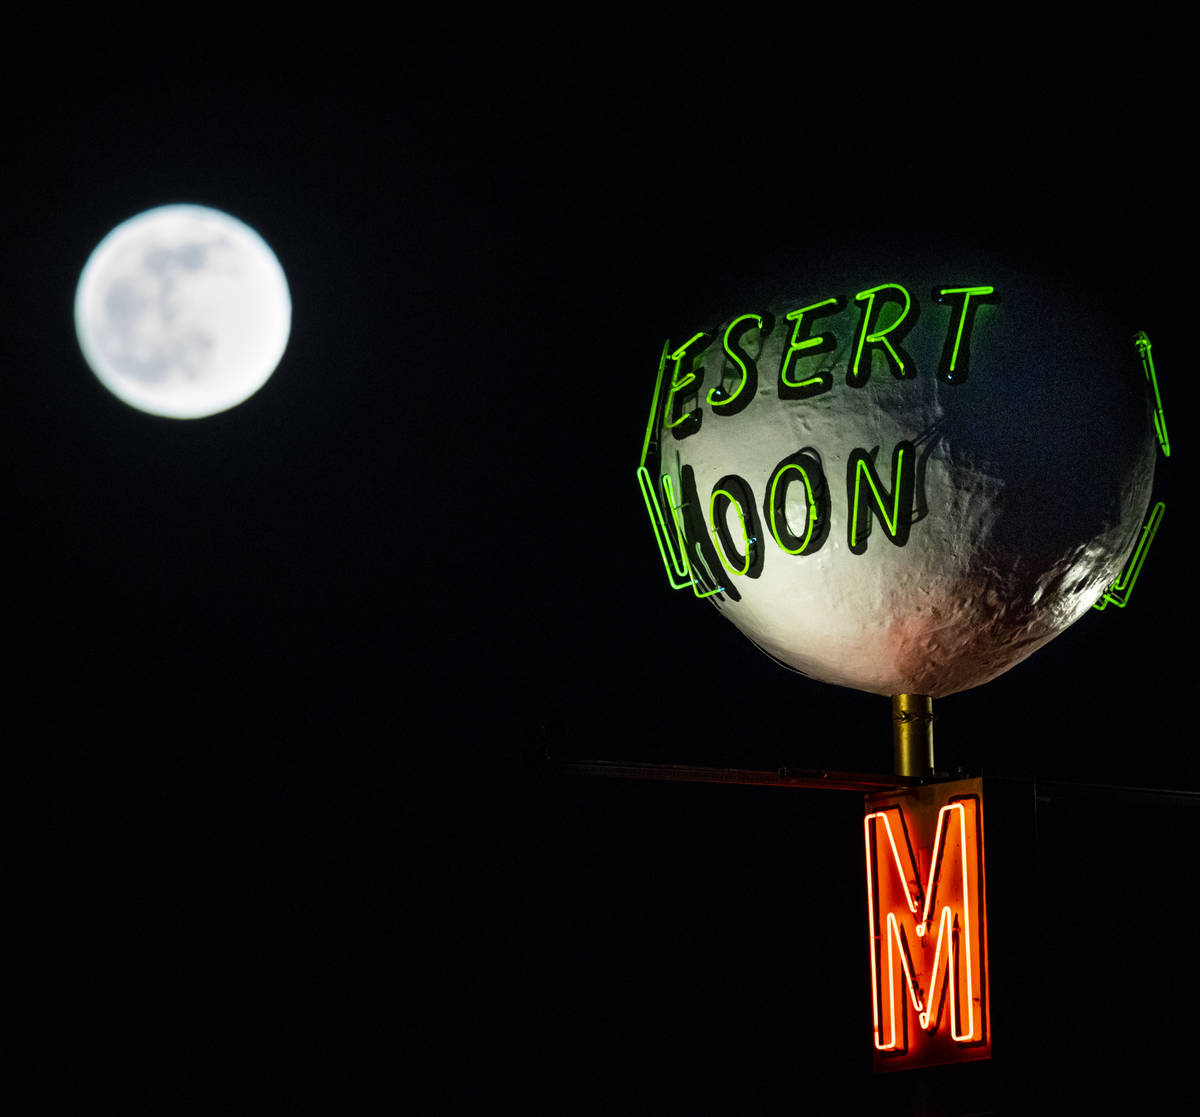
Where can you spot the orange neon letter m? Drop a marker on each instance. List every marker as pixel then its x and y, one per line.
pixel 928 944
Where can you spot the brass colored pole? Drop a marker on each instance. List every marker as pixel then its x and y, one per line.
pixel 912 734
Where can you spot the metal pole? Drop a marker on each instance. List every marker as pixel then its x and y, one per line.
pixel 912 734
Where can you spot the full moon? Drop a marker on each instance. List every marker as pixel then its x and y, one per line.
pixel 183 311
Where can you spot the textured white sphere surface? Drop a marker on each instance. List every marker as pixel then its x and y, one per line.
pixel 1031 474
pixel 183 311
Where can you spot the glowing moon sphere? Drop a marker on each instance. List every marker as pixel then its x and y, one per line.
pixel 183 311
pixel 904 478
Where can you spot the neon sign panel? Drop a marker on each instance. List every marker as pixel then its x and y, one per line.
pixel 927 926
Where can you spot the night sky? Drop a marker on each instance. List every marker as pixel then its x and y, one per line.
pixel 281 677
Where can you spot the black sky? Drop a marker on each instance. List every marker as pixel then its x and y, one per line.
pixel 276 673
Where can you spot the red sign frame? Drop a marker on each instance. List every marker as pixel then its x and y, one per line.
pixel 927 925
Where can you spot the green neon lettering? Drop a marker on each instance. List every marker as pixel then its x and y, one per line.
pixel 731 402
pixel 675 563
pixel 869 340
pixel 708 574
pixel 810 519
pixel 680 423
pixel 805 465
pixel 896 524
pixel 1142 343
pixel 1118 593
pixel 704 561
pixel 802 346
pixel 733 490
pixel 693 580
pixel 717 534
pixel 956 352
pixel 678 567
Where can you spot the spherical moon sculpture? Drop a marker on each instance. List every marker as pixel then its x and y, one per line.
pixel 904 478
pixel 183 311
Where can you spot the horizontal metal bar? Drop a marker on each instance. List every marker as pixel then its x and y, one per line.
pixel 803 778
pixel 1046 790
